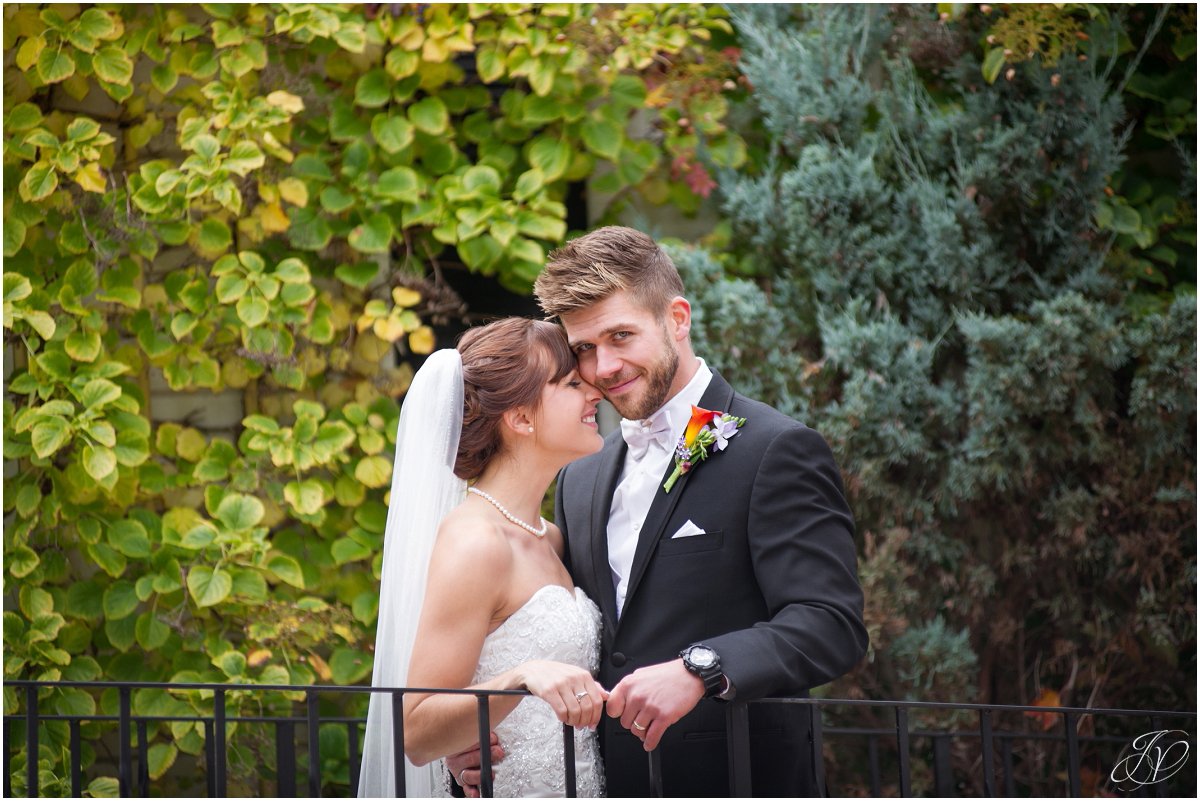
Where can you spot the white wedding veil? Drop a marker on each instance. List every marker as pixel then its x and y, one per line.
pixel 424 490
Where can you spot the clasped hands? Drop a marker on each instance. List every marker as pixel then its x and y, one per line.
pixel 647 702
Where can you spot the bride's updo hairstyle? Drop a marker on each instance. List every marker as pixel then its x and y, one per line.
pixel 505 365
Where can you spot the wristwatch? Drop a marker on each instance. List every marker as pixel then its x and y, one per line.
pixel 704 663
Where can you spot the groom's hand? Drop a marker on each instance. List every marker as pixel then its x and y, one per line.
pixel 464 766
pixel 651 699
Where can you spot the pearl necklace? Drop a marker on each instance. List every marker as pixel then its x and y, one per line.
pixel 511 517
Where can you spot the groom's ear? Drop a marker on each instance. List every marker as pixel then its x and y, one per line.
pixel 679 317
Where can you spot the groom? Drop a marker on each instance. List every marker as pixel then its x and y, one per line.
pixel 739 582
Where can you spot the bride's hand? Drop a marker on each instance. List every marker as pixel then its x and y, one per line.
pixel 570 691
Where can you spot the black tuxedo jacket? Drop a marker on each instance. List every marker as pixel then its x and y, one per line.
pixel 772 586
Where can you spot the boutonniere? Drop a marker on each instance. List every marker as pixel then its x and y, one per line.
pixel 707 432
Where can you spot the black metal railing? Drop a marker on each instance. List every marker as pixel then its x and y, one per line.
pixel 982 747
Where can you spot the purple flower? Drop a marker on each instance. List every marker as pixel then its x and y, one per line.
pixel 724 428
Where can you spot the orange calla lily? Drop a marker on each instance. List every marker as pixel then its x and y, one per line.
pixel 700 418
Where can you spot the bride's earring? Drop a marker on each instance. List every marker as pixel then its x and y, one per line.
pixel 531 429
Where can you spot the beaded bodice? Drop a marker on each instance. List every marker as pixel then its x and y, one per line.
pixel 561 625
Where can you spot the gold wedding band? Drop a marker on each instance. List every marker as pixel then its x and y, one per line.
pixel 581 695
pixel 638 726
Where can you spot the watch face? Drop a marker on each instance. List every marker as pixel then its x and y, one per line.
pixel 702 657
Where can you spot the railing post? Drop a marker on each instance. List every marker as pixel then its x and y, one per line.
pixel 219 743
pixel 569 761
pixel 902 749
pixel 210 757
pixel 398 744
pixel 1072 755
pixel 986 753
pixel 143 750
pixel 1006 755
pixel 285 759
pixel 314 745
pixel 818 749
pixel 125 754
pixel 873 762
pixel 943 775
pixel 737 730
pixel 352 756
pixel 76 761
pixel 485 746
pixel 31 741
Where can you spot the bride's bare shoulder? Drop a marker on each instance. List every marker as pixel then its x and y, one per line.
pixel 467 535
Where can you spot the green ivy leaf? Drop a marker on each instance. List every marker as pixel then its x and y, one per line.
pixel 208 587
pixel 430 116
pixel 358 275
pixel 374 235
pixel 286 569
pixel 130 538
pixel 489 64
pixel 373 89
pixel 240 512
pixel 55 65
pixel 39 182
pixel 309 229
pixel 160 758
pixel 104 787
pixel 374 471
pixel 151 633
pixel 120 600
pixel 399 183
pixel 22 560
pixel 231 663
pixel 99 461
pixel 50 434
pixel 22 117
pixel 346 550
pixel 99 392
pixel 113 65
pixel 122 632
pixel 253 310
pixel 306 497
pixel 244 157
pixel 82 346
pixel 603 138
pixel 108 559
pixel 366 607
pixel 551 156
pixel 349 666
pixel 14 237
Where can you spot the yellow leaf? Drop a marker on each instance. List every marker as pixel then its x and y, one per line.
pixel 321 668
pixel 28 52
pixel 286 101
pixel 405 297
pixel 421 340
pixel 259 657
pixel 294 191
pixel 90 178
pixel 434 51
pixel 274 220
pixel 389 329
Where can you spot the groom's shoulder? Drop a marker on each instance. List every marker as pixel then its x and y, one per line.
pixel 767 418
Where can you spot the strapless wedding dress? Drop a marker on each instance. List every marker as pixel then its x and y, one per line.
pixel 560 625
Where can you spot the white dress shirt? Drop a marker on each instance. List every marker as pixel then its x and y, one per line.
pixel 641 478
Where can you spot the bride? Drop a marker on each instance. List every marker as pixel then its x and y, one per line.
pixel 474 593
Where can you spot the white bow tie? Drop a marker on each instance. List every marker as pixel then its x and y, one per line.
pixel 638 434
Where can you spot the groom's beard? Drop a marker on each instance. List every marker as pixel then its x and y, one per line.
pixel 659 376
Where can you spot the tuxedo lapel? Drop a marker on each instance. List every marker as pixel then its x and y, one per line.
pixel 607 473
pixel 718 396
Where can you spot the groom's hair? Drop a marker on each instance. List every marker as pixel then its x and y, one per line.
pixel 589 269
pixel 505 364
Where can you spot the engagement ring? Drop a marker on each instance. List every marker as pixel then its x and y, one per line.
pixel 581 695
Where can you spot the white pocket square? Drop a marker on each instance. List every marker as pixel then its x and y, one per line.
pixel 688 529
